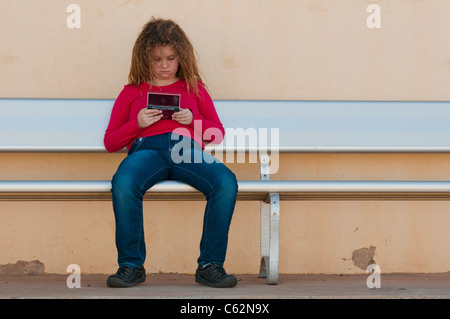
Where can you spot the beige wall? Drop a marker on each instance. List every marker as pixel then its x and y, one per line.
pixel 248 49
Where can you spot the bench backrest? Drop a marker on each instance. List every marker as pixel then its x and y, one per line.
pixel 77 125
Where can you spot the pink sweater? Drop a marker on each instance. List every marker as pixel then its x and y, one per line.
pixel 123 127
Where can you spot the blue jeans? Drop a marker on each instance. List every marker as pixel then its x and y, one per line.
pixel 171 157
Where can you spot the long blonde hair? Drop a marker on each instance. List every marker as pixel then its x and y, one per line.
pixel 161 32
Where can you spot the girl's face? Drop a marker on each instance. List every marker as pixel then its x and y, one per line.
pixel 164 64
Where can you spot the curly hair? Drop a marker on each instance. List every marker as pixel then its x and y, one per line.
pixel 157 33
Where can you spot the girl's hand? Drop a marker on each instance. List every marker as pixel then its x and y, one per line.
pixel 184 116
pixel 147 117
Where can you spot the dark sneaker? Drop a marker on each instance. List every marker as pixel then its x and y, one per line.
pixel 214 275
pixel 126 277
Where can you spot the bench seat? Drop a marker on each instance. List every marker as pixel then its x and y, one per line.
pixel 248 190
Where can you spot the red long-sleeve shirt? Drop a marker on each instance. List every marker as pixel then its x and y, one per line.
pixel 123 126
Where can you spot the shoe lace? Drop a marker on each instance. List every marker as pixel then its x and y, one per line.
pixel 217 272
pixel 125 272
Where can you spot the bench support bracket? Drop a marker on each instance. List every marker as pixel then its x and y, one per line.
pixel 270 230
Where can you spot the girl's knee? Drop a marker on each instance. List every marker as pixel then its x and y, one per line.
pixel 228 183
pixel 122 183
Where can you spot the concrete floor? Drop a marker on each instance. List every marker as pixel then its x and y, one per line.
pixel 178 286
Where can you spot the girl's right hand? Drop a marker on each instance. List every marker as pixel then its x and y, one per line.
pixel 147 117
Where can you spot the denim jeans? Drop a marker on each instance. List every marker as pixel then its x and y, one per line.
pixel 157 158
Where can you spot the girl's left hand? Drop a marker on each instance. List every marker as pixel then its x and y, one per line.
pixel 184 116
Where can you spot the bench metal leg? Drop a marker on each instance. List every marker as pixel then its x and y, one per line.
pixel 270 229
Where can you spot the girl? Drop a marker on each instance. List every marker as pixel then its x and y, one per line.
pixel 163 61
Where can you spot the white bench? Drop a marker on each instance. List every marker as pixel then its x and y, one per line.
pixel 55 125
